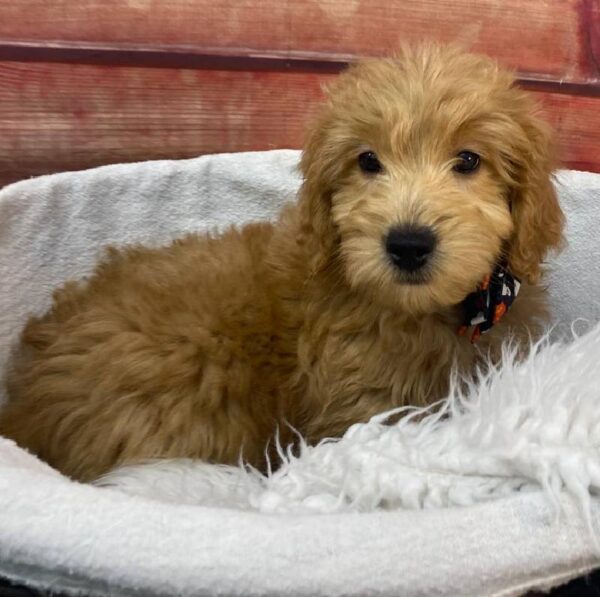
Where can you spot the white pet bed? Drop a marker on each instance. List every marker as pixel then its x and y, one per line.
pixel 494 501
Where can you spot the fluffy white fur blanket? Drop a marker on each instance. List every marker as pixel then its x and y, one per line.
pixel 491 495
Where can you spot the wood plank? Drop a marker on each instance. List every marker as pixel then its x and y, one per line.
pixel 56 117
pixel 177 58
pixel 577 120
pixel 60 117
pixel 551 39
pixel 495 27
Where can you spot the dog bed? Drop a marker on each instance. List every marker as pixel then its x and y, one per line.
pixel 496 498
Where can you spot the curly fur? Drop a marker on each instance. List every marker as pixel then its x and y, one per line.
pixel 204 348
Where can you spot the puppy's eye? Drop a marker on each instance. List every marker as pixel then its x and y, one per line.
pixel 368 162
pixel 467 162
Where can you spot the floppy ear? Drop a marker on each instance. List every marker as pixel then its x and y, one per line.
pixel 538 219
pixel 320 170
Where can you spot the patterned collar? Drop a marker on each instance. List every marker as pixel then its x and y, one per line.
pixel 489 303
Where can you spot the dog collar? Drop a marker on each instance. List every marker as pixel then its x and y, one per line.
pixel 489 303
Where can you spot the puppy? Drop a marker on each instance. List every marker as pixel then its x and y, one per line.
pixel 422 175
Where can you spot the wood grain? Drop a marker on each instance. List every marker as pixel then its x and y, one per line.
pixel 555 39
pixel 56 117
pixel 577 120
pixel 60 116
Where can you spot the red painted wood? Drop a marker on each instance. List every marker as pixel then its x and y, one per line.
pixel 533 36
pixel 223 59
pixel 58 117
pixel 577 120
pixel 178 58
pixel 550 38
pixel 590 15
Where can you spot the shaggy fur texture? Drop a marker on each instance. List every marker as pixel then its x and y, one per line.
pixel 204 348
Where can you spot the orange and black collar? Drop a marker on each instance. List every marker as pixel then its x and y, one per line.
pixel 483 308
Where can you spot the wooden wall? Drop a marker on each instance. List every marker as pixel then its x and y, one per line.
pixel 89 82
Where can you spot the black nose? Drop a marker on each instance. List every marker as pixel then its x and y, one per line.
pixel 410 248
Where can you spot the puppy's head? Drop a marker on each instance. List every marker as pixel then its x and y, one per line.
pixel 422 173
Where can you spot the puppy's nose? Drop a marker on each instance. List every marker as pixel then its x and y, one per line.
pixel 410 248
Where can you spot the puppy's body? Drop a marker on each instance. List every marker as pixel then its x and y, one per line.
pixel 205 348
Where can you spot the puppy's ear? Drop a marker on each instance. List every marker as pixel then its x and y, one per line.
pixel 537 216
pixel 320 172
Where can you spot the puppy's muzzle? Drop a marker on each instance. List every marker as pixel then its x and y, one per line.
pixel 410 248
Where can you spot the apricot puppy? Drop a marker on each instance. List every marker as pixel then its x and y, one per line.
pixel 422 174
